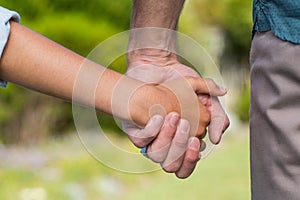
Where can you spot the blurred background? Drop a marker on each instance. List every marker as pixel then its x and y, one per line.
pixel 41 156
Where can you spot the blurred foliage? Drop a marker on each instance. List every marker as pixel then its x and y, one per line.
pixel 76 24
pixel 27 117
pixel 80 25
pixel 116 13
pixel 224 28
pixel 243 104
pixel 233 18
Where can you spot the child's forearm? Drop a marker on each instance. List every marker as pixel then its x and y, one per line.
pixel 35 62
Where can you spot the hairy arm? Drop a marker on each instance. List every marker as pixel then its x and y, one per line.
pixel 152 58
pixel 154 42
pixel 153 13
pixel 152 53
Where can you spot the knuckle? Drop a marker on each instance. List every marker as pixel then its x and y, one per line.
pixel 157 158
pixel 191 159
pixel 182 144
pixel 138 142
pixel 168 130
pixel 157 155
pixel 171 168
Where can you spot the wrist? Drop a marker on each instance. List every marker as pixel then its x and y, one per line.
pixel 155 57
pixel 152 45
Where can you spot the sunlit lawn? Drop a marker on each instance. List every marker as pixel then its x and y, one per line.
pixel 62 169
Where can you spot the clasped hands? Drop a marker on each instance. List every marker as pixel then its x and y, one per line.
pixel 181 105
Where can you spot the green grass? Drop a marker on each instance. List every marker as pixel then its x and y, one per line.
pixel 63 170
pixel 224 175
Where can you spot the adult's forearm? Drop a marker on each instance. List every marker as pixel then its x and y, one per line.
pixel 156 13
pixel 153 34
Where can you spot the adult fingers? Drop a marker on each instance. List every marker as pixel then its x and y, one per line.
pixel 178 147
pixel 219 121
pixel 142 137
pixel 158 149
pixel 191 158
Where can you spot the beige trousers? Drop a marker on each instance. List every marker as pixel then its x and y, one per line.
pixel 275 118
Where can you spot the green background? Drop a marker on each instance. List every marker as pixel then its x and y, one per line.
pixel 38 146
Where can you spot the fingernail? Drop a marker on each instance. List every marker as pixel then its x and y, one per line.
pixel 224 90
pixel 158 120
pixel 215 130
pixel 184 126
pixel 174 119
pixel 193 144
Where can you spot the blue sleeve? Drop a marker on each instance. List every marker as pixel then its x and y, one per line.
pixel 5 17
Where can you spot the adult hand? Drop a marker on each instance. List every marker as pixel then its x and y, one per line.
pixel 219 121
pixel 164 133
pixel 158 74
pixel 167 138
pixel 150 60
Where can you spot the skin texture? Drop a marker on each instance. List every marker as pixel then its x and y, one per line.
pixel 158 64
pixel 35 62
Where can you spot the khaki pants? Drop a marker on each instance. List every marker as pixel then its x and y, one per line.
pixel 275 118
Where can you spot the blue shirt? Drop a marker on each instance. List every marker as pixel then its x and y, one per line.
pixel 5 16
pixel 282 17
